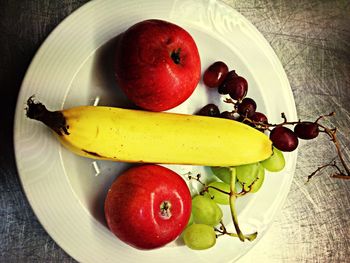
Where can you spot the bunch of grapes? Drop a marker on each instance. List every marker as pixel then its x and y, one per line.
pixel 244 109
pixel 228 184
pixel 231 183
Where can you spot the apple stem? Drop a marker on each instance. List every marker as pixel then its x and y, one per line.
pixel 165 211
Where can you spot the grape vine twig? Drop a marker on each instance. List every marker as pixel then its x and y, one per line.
pixel 330 132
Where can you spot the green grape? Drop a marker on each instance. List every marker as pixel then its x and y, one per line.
pixel 259 180
pixel 275 162
pixel 199 236
pixel 247 174
pixel 217 196
pixel 223 173
pixel 205 211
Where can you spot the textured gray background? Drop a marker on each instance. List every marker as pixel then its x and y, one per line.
pixel 312 40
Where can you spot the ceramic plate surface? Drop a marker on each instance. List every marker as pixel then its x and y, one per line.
pixel 74 67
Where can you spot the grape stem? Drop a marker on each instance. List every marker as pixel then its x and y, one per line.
pixel 331 132
pixel 213 187
pixel 339 175
pixel 267 126
pixel 223 231
pixel 232 200
pixel 206 187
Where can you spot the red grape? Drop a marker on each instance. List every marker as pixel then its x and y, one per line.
pixel 284 139
pixel 215 74
pixel 259 117
pixel 227 82
pixel 239 89
pixel 306 130
pixel 247 107
pixel 210 110
pixel 234 85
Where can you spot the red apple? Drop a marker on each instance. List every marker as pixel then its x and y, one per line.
pixel 157 64
pixel 148 206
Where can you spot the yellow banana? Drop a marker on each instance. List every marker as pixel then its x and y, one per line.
pixel 153 137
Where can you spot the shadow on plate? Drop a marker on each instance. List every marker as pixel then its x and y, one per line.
pixel 108 91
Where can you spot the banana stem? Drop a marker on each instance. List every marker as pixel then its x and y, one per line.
pixel 233 197
pixel 53 119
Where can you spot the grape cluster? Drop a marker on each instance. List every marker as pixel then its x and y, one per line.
pixel 236 87
pixel 228 183
pixel 231 183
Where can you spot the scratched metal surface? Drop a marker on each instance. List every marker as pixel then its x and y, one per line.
pixel 312 40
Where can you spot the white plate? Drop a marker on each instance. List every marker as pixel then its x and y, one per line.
pixel 73 67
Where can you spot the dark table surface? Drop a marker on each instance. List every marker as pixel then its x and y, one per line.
pixel 312 40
